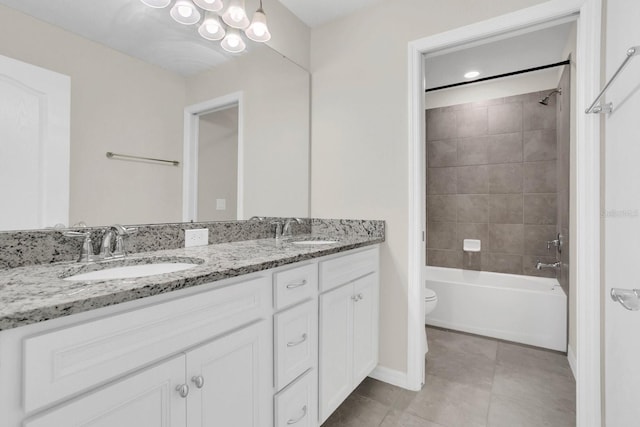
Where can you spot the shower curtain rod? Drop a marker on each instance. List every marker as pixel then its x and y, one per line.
pixel 499 76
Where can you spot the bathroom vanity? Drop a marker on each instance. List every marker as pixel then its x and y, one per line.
pixel 260 333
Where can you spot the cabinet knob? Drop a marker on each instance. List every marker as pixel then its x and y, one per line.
pixel 198 381
pixel 296 420
pixel 183 390
pixel 360 297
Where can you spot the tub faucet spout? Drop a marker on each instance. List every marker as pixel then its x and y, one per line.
pixel 541 265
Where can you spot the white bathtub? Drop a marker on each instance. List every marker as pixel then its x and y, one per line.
pixel 523 309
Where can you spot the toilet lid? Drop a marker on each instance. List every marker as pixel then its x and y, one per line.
pixel 429 294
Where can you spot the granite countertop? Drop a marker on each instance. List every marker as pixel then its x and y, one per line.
pixel 37 293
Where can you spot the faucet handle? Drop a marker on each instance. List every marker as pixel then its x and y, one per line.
pixel 86 252
pixel 124 231
pixel 278 225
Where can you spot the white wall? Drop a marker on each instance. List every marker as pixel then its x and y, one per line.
pixel 360 130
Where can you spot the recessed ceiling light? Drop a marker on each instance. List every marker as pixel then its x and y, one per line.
pixel 471 74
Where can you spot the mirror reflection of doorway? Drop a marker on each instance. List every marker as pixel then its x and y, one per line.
pixel 218 165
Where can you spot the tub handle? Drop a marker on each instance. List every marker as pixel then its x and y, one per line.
pixel 628 298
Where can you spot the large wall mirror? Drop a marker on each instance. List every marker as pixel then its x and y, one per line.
pixel 137 97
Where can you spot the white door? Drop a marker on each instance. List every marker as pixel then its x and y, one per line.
pixel 230 380
pixel 336 348
pixel 622 217
pixel 365 327
pixel 34 146
pixel 145 399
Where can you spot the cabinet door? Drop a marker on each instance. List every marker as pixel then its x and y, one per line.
pixel 230 380
pixel 365 327
pixel 145 399
pixel 336 340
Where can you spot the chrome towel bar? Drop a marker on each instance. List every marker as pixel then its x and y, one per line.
pixel 111 155
pixel 608 107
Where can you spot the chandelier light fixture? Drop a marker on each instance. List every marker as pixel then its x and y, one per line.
pixel 223 20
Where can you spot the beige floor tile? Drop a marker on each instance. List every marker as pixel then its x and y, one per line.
pixel 465 368
pixel 381 392
pixel 464 343
pixel 451 404
pixel 357 411
pixel 508 412
pixel 533 358
pixel 404 419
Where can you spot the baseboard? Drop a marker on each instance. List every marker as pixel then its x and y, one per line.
pixel 390 376
pixel 571 357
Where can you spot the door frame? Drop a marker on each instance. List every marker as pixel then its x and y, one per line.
pixel 587 247
pixel 192 115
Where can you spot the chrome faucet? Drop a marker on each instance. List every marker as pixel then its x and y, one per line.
pixel 86 251
pixel 278 225
pixel 286 230
pixel 541 265
pixel 119 232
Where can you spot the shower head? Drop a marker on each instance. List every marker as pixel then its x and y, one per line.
pixel 545 100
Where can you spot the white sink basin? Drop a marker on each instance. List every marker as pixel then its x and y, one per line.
pixel 314 242
pixel 132 271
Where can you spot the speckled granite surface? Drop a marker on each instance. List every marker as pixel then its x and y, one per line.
pixel 35 293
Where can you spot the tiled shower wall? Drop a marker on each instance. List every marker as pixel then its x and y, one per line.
pixel 491 175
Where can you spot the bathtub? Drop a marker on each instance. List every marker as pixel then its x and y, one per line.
pixel 523 309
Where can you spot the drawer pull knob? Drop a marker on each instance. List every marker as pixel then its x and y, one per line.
pixel 296 420
pixel 300 341
pixel 198 381
pixel 357 298
pixel 296 285
pixel 183 390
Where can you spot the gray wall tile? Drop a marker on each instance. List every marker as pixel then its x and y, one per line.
pixel 441 181
pixel 505 118
pixel 540 209
pixel 473 208
pixel 441 125
pixel 502 263
pixel 473 180
pixel 537 116
pixel 505 148
pixel 506 208
pixel 505 178
pixel 472 122
pixel 441 235
pixel 540 177
pixel 442 153
pixel 536 238
pixel 440 258
pixel 473 151
pixel 506 238
pixel 484 158
pixel 540 145
pixel 442 208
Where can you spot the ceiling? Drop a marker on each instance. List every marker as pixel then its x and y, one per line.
pixel 541 47
pixel 316 13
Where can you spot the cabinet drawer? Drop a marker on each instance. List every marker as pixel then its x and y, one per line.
pixel 67 361
pixel 295 285
pixel 295 405
pixel 296 338
pixel 343 269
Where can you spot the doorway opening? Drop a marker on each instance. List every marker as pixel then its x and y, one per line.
pixel 213 158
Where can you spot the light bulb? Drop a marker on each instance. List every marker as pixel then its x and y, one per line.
pixel 185 11
pixel 212 27
pixel 259 30
pixel 234 41
pixel 236 14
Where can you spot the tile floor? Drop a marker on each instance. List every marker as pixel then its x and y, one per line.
pixel 470 381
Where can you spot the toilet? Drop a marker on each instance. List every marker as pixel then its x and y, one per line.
pixel 430 302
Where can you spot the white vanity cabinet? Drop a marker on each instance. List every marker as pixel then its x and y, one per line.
pixel 348 326
pixel 276 348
